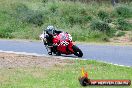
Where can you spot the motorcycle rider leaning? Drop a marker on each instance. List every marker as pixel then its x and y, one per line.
pixel 50 32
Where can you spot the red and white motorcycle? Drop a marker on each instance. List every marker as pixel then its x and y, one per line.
pixel 64 45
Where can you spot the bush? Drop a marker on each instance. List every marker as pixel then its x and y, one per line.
pixel 53 8
pixel 124 11
pixel 100 25
pixel 105 38
pixel 44 1
pixel 30 16
pixel 87 18
pixel 108 20
pixel 120 33
pixel 123 25
pixel 21 8
pixel 87 35
pixel 103 15
pixel 75 19
pixel 82 11
pixel 35 18
pixel 5 33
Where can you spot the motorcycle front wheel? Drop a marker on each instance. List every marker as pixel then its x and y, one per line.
pixel 77 51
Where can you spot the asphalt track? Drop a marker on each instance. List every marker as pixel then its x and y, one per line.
pixel 121 55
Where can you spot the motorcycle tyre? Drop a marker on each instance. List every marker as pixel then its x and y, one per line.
pixel 77 51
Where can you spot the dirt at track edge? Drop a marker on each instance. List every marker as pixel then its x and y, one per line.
pixel 10 60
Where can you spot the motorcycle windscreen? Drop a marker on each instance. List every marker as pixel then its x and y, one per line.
pixel 64 37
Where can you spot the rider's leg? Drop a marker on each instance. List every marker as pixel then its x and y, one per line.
pixel 50 49
pixel 49 44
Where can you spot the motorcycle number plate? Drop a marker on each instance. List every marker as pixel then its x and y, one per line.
pixel 65 43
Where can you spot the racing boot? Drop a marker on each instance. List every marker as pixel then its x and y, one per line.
pixel 49 49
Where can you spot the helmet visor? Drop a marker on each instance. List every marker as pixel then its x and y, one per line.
pixel 51 32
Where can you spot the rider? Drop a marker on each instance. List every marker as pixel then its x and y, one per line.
pixel 50 32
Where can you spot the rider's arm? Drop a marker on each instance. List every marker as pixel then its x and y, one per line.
pixel 58 32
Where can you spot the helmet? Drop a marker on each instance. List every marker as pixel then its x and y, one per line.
pixel 50 30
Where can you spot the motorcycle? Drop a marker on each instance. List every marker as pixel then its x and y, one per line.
pixel 63 44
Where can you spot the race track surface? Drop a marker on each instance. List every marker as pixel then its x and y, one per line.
pixel 121 55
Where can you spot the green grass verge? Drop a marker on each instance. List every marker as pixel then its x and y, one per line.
pixel 62 76
pixel 24 19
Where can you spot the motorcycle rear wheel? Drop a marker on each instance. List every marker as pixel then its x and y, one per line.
pixel 77 51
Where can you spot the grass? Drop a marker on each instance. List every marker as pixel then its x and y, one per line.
pixel 24 19
pixel 62 76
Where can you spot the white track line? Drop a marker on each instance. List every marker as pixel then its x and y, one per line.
pixel 24 53
pixel 110 63
pixel 35 54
